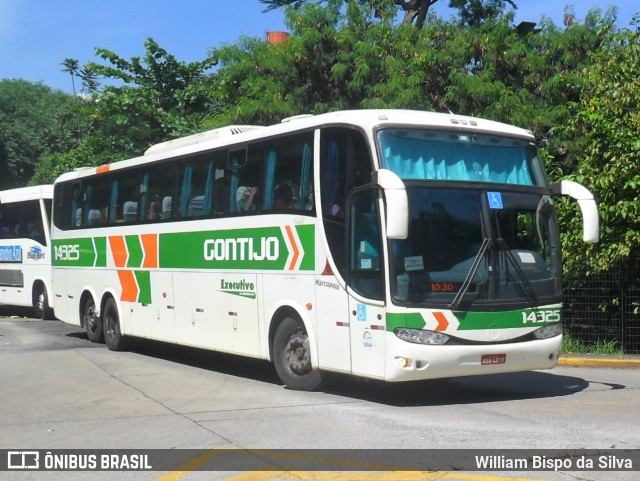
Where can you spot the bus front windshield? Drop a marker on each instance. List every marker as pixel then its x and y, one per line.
pixel 473 246
pixel 482 231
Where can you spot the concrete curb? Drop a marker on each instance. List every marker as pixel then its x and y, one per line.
pixel 596 361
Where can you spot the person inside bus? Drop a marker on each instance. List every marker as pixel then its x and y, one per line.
pixel 155 208
pixel 245 198
pixel 283 197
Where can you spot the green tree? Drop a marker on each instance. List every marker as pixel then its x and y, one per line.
pixel 608 129
pixel 474 12
pixel 143 101
pixel 416 11
pixel 34 121
pixel 71 66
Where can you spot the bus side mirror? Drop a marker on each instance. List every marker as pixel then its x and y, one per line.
pixel 395 193
pixel 588 207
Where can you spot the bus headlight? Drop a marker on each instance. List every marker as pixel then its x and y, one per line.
pixel 419 336
pixel 548 331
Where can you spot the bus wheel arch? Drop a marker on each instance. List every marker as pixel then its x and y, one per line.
pixel 110 315
pixel 89 317
pixel 292 351
pixel 40 300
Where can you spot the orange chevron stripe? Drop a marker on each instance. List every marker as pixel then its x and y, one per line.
pixel 442 321
pixel 118 250
pixel 150 248
pixel 294 246
pixel 103 168
pixel 129 286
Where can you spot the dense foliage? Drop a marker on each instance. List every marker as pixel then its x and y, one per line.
pixel 34 121
pixel 608 131
pixel 576 87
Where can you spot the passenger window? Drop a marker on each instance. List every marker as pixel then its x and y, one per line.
pixel 196 186
pixel 289 174
pixel 156 193
pixel 95 206
pixel 124 197
pixel 246 179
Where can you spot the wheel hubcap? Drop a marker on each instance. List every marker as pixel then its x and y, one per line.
pixel 297 354
pixel 90 318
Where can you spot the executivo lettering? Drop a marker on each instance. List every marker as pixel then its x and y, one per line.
pixel 240 288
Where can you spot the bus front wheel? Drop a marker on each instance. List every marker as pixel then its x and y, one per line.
pixel 292 357
pixel 92 323
pixel 113 337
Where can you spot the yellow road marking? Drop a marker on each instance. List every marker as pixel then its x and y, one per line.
pixel 387 474
pixel 189 466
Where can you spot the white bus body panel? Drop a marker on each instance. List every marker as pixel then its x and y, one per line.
pixel 25 261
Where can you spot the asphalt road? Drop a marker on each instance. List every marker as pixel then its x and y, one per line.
pixel 61 391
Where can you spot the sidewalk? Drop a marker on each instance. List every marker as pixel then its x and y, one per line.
pixel 598 360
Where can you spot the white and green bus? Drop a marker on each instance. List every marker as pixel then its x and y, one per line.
pixel 395 245
pixel 25 258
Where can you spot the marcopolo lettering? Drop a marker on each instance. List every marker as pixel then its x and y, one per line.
pixel 242 249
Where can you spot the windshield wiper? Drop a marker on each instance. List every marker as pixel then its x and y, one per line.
pixel 487 244
pixel 484 247
pixel 528 290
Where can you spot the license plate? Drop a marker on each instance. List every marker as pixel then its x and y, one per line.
pixel 488 359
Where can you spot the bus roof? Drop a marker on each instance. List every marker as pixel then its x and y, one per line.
pixel 366 119
pixel 26 193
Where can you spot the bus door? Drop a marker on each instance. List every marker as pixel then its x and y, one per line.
pixel 365 277
pixel 332 316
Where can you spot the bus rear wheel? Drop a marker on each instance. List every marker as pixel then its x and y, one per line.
pixel 40 302
pixel 292 357
pixel 113 337
pixel 92 323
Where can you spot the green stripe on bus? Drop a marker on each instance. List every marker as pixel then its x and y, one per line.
pixel 508 319
pixel 135 251
pixel 470 321
pixel 101 251
pixel 306 233
pixel 74 253
pixel 262 248
pixel 143 278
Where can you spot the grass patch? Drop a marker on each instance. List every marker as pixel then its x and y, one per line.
pixel 575 346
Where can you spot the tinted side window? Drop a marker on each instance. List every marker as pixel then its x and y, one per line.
pixel 345 164
pixel 22 220
pixel 96 194
pixel 288 181
pixel 246 179
pixel 157 198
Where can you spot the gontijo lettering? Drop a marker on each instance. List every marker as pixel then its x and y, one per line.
pixel 242 248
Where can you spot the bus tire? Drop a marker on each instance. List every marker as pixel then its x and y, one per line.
pixel 113 337
pixel 41 307
pixel 92 323
pixel 292 357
